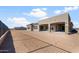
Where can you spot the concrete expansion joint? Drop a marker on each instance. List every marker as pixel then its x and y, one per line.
pixel 3 37
pixel 39 48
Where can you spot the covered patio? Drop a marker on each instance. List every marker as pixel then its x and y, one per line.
pixel 43 27
pixel 55 27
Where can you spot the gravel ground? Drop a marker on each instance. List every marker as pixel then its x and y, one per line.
pixel 62 40
pixel 20 41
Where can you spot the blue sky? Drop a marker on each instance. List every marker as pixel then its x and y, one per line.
pixel 14 16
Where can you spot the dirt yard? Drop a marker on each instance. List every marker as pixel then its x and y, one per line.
pixel 41 42
pixel 64 41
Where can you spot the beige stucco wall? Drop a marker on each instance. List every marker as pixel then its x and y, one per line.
pixel 63 18
pixel 77 30
pixel 58 19
pixel 55 19
pixel 3 28
pixel 30 27
pixel 37 28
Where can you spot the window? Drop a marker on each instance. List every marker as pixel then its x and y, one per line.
pixel 28 27
pixel 35 27
pixel 51 27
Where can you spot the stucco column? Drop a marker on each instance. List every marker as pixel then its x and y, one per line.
pixel 67 25
pixel 38 27
pixel 54 28
pixel 49 27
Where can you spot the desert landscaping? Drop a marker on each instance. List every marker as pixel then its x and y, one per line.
pixel 41 42
pixel 51 35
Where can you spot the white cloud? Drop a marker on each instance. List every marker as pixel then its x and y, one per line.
pixel 43 18
pixel 37 9
pixel 44 8
pixel 76 24
pixel 25 13
pixel 18 21
pixel 66 9
pixel 57 11
pixel 38 12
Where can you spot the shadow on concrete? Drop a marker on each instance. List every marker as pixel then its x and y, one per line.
pixel 7 46
pixel 73 31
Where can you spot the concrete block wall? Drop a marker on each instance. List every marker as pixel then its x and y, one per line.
pixel 3 28
pixel 59 19
pixel 63 18
pixel 68 24
pixel 35 27
pixel 3 32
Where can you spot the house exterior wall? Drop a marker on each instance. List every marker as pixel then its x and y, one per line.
pixel 43 27
pixel 52 27
pixel 35 27
pixel 3 28
pixel 57 27
pixel 63 18
pixel 78 31
pixel 30 27
pixel 59 19
pixel 55 19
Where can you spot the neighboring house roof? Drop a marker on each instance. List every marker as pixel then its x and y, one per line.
pixel 60 18
pixel 55 19
pixel 35 23
pixel 32 24
pixel 2 25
